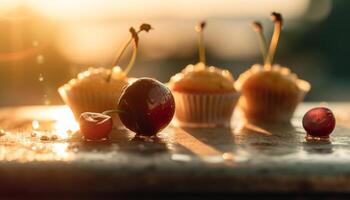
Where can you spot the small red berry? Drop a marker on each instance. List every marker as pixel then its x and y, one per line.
pixel 95 126
pixel 319 122
pixel 146 107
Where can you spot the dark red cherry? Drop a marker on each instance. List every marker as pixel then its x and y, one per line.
pixel 146 106
pixel 95 126
pixel 319 122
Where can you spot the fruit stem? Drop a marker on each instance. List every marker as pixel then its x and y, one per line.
pixel 201 50
pixel 277 19
pixel 134 52
pixel 143 27
pixel 257 27
pixel 117 59
pixel 108 112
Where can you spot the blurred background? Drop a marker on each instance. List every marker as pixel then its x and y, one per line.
pixel 45 43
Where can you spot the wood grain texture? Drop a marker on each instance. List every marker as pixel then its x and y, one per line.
pixel 245 158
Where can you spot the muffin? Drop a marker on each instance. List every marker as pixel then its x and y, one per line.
pixel 204 96
pixel 99 89
pixel 90 92
pixel 270 93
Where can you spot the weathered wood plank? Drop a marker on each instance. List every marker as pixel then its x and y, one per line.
pixel 243 158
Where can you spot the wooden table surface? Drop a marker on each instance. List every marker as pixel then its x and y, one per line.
pixel 245 158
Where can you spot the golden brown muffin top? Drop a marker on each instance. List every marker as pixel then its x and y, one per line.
pixel 277 77
pixel 201 79
pixel 96 78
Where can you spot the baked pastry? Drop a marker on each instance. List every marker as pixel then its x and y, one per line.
pixel 99 89
pixel 270 92
pixel 204 96
pixel 91 92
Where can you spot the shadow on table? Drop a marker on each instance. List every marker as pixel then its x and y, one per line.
pixel 205 141
pixel 127 142
pixel 318 147
pixel 272 139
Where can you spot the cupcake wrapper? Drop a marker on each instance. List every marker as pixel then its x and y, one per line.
pixel 204 110
pixel 91 101
pixel 271 106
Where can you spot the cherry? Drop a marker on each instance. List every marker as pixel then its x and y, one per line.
pixel 319 122
pixel 95 126
pixel 146 107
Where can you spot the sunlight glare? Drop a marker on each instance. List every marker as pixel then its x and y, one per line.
pixel 60 149
pixel 35 124
pixel 65 122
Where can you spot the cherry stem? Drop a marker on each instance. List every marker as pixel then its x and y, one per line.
pixel 134 52
pixel 117 59
pixel 201 50
pixel 108 112
pixel 257 27
pixel 277 19
pixel 134 37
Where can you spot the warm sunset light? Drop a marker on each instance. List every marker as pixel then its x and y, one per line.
pixel 60 119
pixel 88 9
pixel 65 123
pixel 60 149
pixel 81 38
pixel 180 99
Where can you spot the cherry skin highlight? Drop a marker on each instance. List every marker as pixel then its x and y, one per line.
pixel 146 107
pixel 319 122
pixel 95 126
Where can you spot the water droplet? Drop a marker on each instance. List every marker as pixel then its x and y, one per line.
pixel 35 124
pixel 213 159
pixel 41 77
pixel 152 101
pixel 2 132
pixel 228 156
pixel 47 102
pixel 35 43
pixel 44 137
pixel 181 157
pixel 40 59
pixel 54 137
